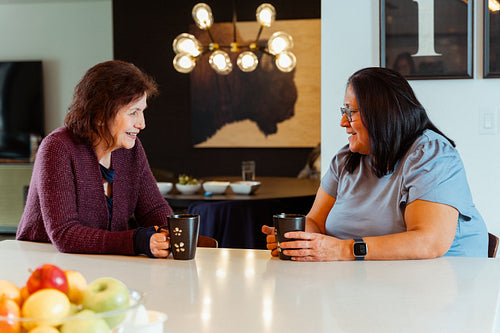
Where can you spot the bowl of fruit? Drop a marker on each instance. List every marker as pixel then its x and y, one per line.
pixel 58 301
pixel 187 184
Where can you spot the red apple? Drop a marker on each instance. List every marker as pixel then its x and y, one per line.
pixel 47 276
pixel 10 309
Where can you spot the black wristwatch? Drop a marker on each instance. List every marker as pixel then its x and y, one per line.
pixel 360 249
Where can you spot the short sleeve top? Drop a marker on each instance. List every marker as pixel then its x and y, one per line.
pixel 431 170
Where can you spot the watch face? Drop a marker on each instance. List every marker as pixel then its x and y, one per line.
pixel 360 249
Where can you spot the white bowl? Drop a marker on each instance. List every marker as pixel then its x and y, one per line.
pixel 188 189
pixel 215 187
pixel 164 187
pixel 245 187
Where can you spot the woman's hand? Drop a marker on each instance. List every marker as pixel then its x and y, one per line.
pixel 316 247
pixel 160 244
pixel 270 239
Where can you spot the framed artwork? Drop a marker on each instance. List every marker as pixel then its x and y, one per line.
pixel 427 39
pixel 491 38
pixel 265 108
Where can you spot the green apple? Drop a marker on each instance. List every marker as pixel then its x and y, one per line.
pixel 107 294
pixel 81 324
pixel 74 309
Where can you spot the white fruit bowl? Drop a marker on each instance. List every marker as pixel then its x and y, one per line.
pixel 188 189
pixel 245 187
pixel 165 187
pixel 215 187
pixel 122 320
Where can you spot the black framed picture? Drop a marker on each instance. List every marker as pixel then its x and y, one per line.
pixel 491 39
pixel 427 39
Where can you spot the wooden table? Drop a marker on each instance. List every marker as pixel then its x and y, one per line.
pixel 236 290
pixel 270 188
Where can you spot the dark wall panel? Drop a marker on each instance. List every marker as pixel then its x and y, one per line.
pixel 143 32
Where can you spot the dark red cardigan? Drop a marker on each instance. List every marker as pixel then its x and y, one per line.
pixel 66 204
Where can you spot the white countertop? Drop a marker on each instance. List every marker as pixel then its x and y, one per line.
pixel 233 290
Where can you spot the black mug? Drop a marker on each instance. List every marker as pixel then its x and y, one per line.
pixel 284 223
pixel 183 229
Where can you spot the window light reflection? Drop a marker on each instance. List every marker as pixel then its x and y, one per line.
pixel 249 272
pixel 206 312
pixel 222 264
pixel 205 315
pixel 250 266
pixel 267 311
pixel 221 273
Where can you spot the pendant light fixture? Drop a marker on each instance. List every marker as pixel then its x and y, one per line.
pixel 188 49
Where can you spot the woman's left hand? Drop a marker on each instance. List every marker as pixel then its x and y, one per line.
pixel 160 244
pixel 315 247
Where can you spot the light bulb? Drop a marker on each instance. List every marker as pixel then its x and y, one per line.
pixel 247 61
pixel 266 14
pixel 184 63
pixel 286 61
pixel 186 43
pixel 202 16
pixel 493 5
pixel 220 62
pixel 279 42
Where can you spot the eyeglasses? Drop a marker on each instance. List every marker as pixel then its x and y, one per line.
pixel 347 112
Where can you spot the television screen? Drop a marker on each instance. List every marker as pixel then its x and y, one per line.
pixel 21 108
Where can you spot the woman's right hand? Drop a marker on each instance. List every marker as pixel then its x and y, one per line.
pixel 160 244
pixel 270 239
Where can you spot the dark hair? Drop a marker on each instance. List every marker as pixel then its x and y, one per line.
pixel 103 90
pixel 391 113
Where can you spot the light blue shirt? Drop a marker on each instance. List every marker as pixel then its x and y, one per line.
pixel 431 170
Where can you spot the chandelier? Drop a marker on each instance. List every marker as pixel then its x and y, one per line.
pixel 188 49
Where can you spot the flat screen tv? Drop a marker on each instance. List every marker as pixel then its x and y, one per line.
pixel 21 108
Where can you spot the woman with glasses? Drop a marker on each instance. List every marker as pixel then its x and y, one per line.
pixel 398 190
pixel 92 175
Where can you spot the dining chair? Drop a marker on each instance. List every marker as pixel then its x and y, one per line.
pixel 204 241
pixel 492 245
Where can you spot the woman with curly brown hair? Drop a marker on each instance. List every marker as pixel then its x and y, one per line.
pixel 92 175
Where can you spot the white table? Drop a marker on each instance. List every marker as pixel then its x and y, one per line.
pixel 232 290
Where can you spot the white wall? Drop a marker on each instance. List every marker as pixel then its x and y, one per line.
pixel 68 36
pixel 350 41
